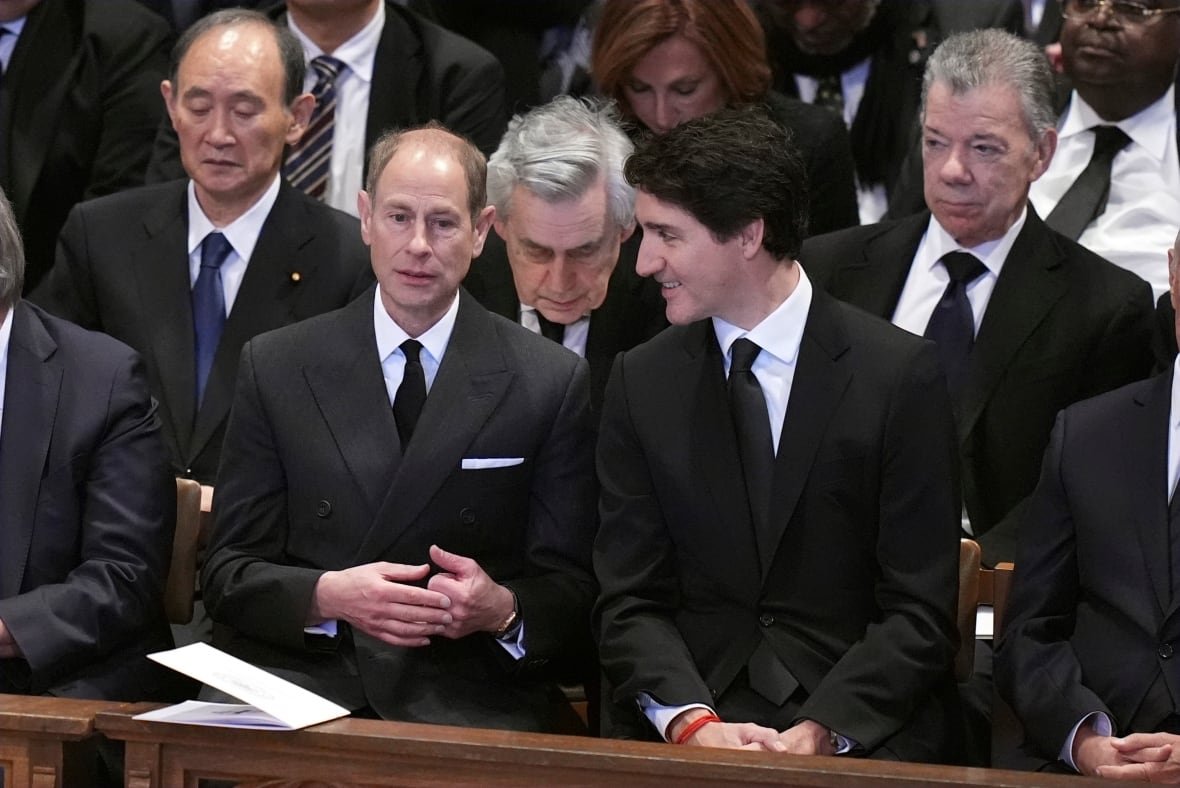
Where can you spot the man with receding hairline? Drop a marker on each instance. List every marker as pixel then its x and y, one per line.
pixel 415 543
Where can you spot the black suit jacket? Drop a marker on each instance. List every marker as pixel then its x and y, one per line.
pixel 79 106
pixel 1092 619
pixel 857 601
pixel 123 269
pixel 422 72
pixel 1062 324
pixel 314 478
pixel 632 312
pixel 87 506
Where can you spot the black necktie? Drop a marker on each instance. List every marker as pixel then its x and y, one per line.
pixel 549 329
pixel 750 418
pixel 208 300
pixel 411 394
pixel 1085 200
pixel 829 92
pixel 952 324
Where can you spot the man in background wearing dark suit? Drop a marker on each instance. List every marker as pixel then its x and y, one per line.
pixel 86 502
pixel 1094 616
pixel 562 260
pixel 411 477
pixel 1032 321
pixel 778 545
pixel 79 106
pixel 187 271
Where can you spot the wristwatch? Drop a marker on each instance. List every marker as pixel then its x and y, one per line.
pixel 512 623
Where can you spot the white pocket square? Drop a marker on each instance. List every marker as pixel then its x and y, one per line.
pixel 478 463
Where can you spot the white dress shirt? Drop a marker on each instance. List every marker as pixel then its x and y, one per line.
pixel 928 278
pixel 9 39
pixel 573 338
pixel 872 201
pixel 1143 209
pixel 242 234
pixel 5 336
pixel 353 86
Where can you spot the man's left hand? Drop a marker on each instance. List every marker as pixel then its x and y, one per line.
pixel 8 646
pixel 807 737
pixel 478 603
pixel 1153 757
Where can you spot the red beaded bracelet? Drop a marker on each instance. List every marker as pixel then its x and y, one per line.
pixel 695 726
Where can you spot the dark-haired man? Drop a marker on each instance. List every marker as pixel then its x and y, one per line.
pixel 778 541
pixel 187 271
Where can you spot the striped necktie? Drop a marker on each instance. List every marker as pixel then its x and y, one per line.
pixel 309 161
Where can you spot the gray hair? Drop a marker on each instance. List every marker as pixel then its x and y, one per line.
pixel 559 150
pixel 966 61
pixel 290 50
pixel 12 255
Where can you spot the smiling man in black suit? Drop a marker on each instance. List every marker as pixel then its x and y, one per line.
pixel 778 542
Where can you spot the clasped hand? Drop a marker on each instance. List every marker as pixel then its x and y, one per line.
pixel 378 600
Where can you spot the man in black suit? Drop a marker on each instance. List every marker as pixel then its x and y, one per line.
pixel 130 264
pixel 1044 321
pixel 394 69
pixel 78 109
pixel 562 260
pixel 778 569
pixel 440 547
pixel 1094 616
pixel 87 506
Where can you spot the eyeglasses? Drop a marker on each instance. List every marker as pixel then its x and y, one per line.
pixel 1125 11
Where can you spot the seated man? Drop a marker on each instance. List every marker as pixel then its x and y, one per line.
pixel 562 260
pixel 87 505
pixel 412 473
pixel 779 531
pixel 1088 647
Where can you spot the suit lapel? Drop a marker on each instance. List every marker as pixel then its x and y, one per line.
pixel 32 388
pixel 874 282
pixel 160 267
pixel 472 380
pixel 715 457
pixel 361 421
pixel 1032 280
pixel 1145 468
pixel 264 301
pixel 818 386
pixel 46 74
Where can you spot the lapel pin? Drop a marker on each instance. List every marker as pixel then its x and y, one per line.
pixel 296 276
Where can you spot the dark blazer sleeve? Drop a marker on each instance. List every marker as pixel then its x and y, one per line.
pixel 109 496
pixel 68 289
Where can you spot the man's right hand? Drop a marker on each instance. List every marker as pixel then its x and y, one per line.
pixel 1091 750
pixel 375 599
pixel 729 735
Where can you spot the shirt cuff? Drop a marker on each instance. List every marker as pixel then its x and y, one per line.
pixel 661 716
pixel 328 628
pixel 514 643
pixel 1099 721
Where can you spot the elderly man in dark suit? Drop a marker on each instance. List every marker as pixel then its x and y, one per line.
pixel 87 505
pixel 778 542
pixel 411 475
pixel 1088 652
pixel 144 266
pixel 79 107
pixel 1026 320
pixel 562 260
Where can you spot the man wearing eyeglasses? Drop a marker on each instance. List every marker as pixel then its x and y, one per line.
pixel 1114 183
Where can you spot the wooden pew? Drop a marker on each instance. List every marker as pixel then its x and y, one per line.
pixel 374 753
pixel 48 742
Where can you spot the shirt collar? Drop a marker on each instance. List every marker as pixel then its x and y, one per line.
pixel 16 26
pixel 1152 128
pixel 390 335
pixel 938 242
pixel 781 332
pixel 242 233
pixel 357 53
pixel 5 338
pixel 1175 414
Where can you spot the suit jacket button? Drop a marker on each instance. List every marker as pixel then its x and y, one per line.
pixel 1165 650
pixel 766 619
pixel 323 509
pixel 467 516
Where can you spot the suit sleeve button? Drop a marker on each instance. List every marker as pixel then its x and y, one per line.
pixel 1165 650
pixel 323 509
pixel 467 516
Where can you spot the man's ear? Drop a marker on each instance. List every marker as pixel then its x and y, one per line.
pixel 751 237
pixel 300 112
pixel 483 223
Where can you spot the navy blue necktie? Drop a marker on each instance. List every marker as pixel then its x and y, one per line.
pixel 208 307
pixel 411 394
pixel 952 324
